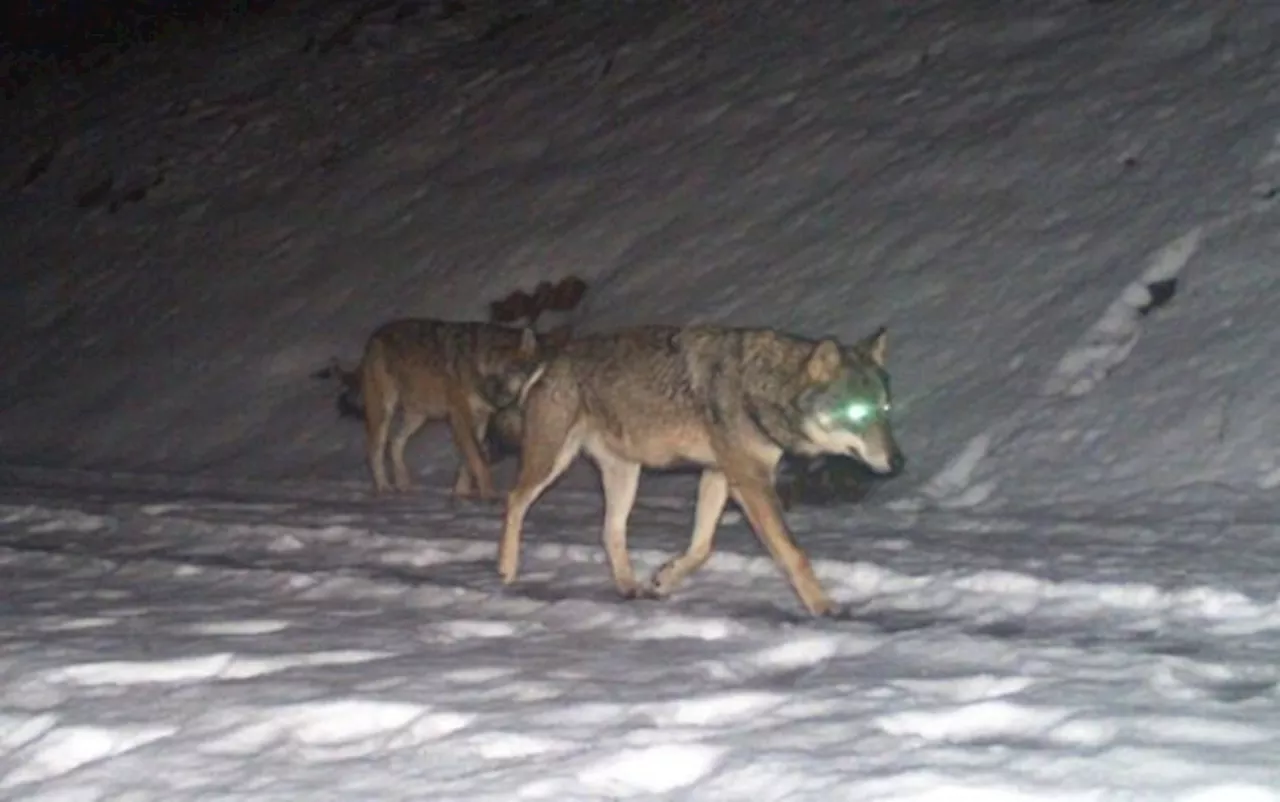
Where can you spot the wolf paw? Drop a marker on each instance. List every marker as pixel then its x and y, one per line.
pixel 663 579
pixel 633 591
pixel 822 607
pixel 474 498
pixel 508 569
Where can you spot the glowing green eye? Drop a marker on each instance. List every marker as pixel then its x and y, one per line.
pixel 859 412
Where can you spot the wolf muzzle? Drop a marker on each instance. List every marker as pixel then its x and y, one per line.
pixel 881 453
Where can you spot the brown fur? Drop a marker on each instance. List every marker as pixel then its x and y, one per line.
pixel 440 370
pixel 730 400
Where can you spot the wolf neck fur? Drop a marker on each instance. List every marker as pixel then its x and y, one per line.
pixel 770 375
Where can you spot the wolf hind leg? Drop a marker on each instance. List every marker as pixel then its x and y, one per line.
pixel 463 425
pixel 713 494
pixel 463 482
pixel 411 421
pixel 379 409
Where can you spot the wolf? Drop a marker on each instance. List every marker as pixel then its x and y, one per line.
pixel 502 438
pixel 732 401
pixel 425 369
pixel 505 432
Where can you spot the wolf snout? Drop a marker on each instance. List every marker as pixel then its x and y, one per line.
pixel 885 463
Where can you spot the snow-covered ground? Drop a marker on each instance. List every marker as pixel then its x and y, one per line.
pixel 1070 595
pixel 293 643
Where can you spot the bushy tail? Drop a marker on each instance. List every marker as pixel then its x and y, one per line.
pixel 350 401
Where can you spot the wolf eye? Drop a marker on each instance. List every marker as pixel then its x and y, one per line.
pixel 859 412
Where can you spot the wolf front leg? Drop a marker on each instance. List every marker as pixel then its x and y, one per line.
pixel 754 492
pixel 542 460
pixel 621 479
pixel 462 483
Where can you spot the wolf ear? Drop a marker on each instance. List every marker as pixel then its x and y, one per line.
pixel 824 362
pixel 528 341
pixel 877 345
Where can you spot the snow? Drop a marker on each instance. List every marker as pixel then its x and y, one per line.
pixel 203 649
pixel 1069 596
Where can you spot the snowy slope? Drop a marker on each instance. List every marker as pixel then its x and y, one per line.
pixel 1070 596
pixel 986 178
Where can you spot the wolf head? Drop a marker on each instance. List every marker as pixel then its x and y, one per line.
pixel 846 405
pixel 508 367
pixel 506 428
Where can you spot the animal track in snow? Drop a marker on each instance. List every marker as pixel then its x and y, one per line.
pixel 225 666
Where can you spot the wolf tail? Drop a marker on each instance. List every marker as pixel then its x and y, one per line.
pixel 350 401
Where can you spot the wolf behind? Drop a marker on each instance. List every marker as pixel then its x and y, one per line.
pixel 459 371
pixel 733 401
pixel 549 311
